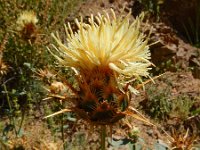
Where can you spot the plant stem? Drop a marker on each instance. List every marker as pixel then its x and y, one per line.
pixel 62 130
pixel 11 118
pixel 21 123
pixel 103 137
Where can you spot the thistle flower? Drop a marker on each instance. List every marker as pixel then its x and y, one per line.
pixel 114 44
pixel 26 17
pixel 3 68
pixel 45 75
pixel 106 55
pixel 182 141
pixel 26 25
pixel 57 87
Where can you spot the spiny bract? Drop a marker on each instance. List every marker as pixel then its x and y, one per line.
pixel 106 55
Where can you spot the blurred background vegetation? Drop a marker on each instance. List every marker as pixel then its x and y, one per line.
pixel 24 59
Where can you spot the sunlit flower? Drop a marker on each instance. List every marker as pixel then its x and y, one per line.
pixel 26 17
pixel 116 44
pixel 106 54
pixel 26 24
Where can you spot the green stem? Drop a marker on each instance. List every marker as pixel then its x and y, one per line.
pixel 103 137
pixel 10 107
pixel 21 123
pixel 62 130
pixel 134 147
pixel 7 97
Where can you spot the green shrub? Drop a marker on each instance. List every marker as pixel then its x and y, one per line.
pixel 157 103
pixel 153 7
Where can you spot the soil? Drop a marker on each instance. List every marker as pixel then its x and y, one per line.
pixel 181 76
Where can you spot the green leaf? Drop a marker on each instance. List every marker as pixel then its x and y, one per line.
pixel 7 129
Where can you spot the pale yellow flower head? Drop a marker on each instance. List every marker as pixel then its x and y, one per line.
pixel 105 41
pixel 26 17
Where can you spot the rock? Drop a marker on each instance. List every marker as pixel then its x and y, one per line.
pixel 150 132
